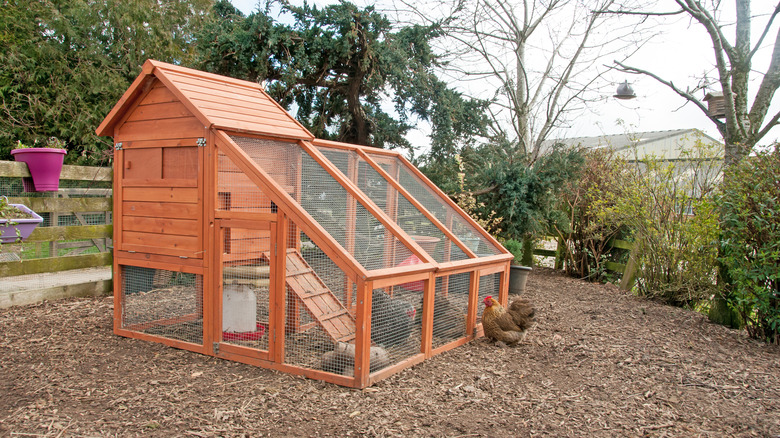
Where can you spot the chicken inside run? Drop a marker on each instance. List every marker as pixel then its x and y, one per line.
pixel 239 235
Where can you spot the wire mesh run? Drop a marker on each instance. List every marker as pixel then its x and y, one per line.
pixel 396 331
pixel 489 285
pixel 246 278
pixel 163 303
pixel 319 309
pixel 236 192
pixel 450 308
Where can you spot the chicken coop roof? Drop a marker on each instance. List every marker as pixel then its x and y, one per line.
pixel 217 101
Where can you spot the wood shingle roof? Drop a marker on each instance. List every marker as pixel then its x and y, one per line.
pixel 217 101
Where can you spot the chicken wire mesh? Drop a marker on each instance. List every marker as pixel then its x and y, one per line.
pixel 353 226
pixel 236 192
pixel 396 333
pixel 462 229
pixel 162 303
pixel 396 206
pixel 489 285
pixel 450 308
pixel 245 287
pixel 319 308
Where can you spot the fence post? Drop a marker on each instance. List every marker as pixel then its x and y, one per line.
pixel 629 274
pixel 559 254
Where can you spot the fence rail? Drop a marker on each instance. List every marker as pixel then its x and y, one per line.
pixel 76 234
pixel 628 271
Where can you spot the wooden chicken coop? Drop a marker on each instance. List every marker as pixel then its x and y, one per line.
pixel 240 235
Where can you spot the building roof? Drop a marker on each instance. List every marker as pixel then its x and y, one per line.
pixel 659 143
pixel 217 101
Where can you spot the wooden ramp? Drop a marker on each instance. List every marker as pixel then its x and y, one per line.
pixel 308 289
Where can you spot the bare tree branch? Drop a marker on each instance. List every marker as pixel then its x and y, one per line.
pixel 642 13
pixel 771 124
pixel 766 30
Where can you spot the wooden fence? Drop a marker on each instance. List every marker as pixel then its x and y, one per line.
pixel 627 271
pixel 84 204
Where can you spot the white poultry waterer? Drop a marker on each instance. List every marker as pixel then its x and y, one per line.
pixel 239 309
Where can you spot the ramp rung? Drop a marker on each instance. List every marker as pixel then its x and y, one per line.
pixel 332 315
pixel 315 293
pixel 304 282
pixel 346 338
pixel 296 273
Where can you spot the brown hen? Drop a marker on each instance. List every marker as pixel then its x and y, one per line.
pixel 507 325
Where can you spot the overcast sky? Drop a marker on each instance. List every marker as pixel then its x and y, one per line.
pixel 681 53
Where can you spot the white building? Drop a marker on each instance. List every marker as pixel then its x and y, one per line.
pixel 673 145
pixel 696 157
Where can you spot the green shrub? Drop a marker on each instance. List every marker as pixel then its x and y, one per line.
pixel 527 195
pixel 750 242
pixel 668 210
pixel 516 248
pixel 587 246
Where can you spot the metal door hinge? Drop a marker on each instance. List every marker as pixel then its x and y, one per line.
pixel 118 146
pixel 216 348
pixel 201 142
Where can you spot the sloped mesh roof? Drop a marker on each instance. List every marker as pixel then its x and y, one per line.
pixel 402 197
pixel 353 226
pixel 410 218
pixel 434 203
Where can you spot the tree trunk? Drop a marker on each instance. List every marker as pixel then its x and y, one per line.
pixel 720 312
pixel 528 252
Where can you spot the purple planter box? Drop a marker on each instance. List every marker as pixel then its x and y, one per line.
pixel 45 165
pixel 25 226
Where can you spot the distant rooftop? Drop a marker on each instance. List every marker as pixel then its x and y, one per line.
pixel 620 142
pixel 667 144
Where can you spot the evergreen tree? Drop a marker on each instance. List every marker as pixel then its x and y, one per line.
pixel 338 67
pixel 65 63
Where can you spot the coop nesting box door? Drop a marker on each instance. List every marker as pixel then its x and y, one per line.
pixel 247 261
pixel 161 206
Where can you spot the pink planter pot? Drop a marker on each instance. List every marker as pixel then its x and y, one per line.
pixel 45 165
pixel 8 227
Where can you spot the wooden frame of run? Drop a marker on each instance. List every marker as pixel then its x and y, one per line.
pixel 170 129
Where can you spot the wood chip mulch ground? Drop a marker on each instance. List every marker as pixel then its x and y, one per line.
pixel 599 363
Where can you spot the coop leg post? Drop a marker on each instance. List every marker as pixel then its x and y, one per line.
pixel 427 316
pixel 212 259
pixel 503 293
pixel 363 333
pixel 278 286
pixel 471 317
